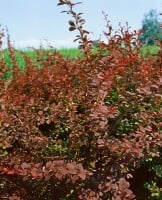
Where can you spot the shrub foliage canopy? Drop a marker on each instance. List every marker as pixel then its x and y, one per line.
pixel 83 128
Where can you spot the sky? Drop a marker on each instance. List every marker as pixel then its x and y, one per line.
pixel 34 22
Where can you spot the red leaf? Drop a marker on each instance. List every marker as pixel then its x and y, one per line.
pixel 72 28
pixel 159 125
pixel 71 23
pixel 82 175
pixel 123 184
pixel 25 166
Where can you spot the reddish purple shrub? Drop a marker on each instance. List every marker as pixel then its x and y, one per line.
pixel 81 128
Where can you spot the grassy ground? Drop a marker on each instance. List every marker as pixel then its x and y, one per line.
pixel 151 49
pixel 70 52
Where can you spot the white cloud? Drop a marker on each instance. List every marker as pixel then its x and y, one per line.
pixel 67 43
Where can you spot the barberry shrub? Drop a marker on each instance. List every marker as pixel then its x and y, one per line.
pixel 84 128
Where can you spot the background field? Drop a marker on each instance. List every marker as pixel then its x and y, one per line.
pixel 66 52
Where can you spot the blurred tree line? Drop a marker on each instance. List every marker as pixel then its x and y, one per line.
pixel 151 28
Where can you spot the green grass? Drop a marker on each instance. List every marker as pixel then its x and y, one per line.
pixel 150 49
pixel 70 52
